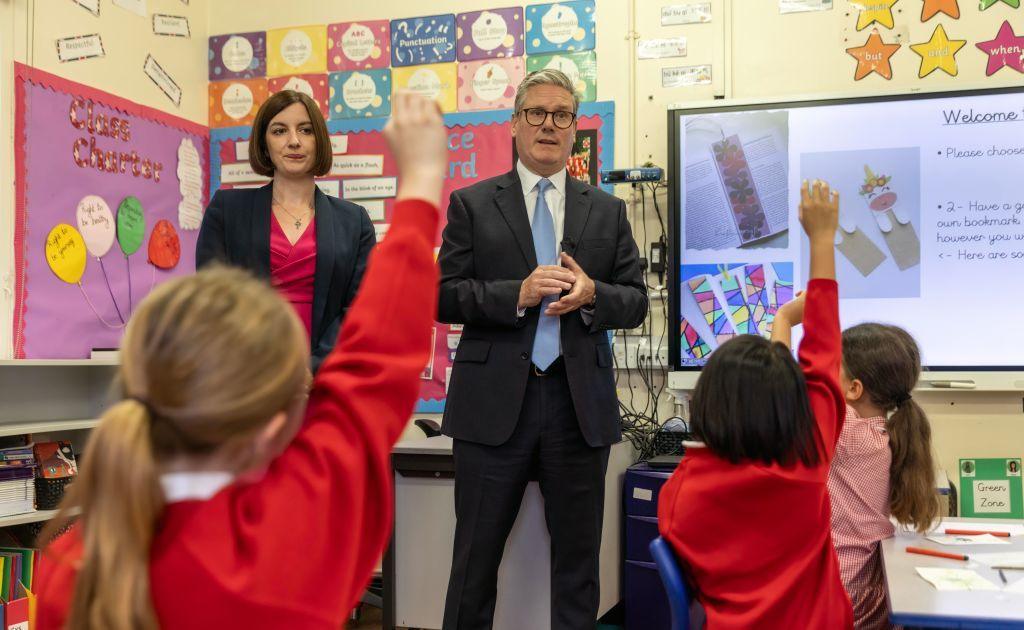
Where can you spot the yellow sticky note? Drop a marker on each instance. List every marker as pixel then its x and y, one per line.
pixel 296 50
pixel 436 81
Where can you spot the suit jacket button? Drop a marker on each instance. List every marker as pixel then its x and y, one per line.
pixel 524 356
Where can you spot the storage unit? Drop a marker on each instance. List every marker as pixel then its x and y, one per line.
pixel 645 600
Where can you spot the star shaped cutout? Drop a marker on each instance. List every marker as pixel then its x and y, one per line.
pixel 932 8
pixel 987 3
pixel 873 56
pixel 938 53
pixel 876 11
pixel 1005 50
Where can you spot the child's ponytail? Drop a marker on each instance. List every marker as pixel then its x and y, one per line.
pixel 887 361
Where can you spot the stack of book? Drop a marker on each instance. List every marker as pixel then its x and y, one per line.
pixel 17 490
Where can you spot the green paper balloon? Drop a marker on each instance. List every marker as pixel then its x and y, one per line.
pixel 131 225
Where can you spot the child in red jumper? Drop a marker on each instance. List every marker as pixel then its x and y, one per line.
pixel 747 510
pixel 213 495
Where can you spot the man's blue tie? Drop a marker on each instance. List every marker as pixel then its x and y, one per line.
pixel 545 344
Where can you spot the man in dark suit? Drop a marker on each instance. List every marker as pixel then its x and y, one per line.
pixel 538 266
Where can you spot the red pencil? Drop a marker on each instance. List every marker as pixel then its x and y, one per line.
pixel 975 532
pixel 936 553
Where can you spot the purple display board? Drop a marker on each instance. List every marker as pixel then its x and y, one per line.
pixel 110 196
pixel 490 34
pixel 238 56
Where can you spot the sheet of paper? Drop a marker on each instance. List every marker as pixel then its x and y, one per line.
pixel 800 6
pixel 693 13
pixel 1015 587
pixel 80 47
pixel 661 48
pixel 162 80
pixel 956 579
pixel 1001 559
pixel 683 76
pixel 173 25
pixel 983 539
pixel 138 7
pixel 92 6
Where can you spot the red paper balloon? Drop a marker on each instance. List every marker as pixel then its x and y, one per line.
pixel 164 245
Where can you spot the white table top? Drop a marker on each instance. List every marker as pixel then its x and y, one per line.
pixel 438 445
pixel 914 601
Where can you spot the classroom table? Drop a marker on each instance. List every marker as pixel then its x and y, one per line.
pixel 418 560
pixel 913 601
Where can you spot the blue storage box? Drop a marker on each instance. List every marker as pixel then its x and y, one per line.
pixel 642 486
pixel 645 599
pixel 640 531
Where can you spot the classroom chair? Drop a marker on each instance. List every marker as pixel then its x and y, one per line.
pixel 675 585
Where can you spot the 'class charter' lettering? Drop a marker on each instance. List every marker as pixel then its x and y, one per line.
pixel 87 154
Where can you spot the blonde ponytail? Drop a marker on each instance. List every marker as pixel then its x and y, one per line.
pixel 121 500
pixel 207 360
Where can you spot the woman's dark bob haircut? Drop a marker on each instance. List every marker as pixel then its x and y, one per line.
pixel 259 156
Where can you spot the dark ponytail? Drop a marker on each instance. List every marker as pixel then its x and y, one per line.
pixel 887 361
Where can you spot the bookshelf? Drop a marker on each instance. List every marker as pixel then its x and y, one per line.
pixel 53 400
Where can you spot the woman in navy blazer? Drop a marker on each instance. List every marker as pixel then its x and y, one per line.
pixel 310 246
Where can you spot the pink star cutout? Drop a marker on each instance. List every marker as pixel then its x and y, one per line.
pixel 1005 50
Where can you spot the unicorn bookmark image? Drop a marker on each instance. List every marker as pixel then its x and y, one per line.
pixel 892 219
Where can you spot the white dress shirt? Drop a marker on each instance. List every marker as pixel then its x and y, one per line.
pixel 555 198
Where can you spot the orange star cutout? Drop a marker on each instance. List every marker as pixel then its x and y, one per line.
pixel 933 7
pixel 873 56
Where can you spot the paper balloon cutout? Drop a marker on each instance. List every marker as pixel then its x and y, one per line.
pixel 65 253
pixel 96 223
pixel 164 245
pixel 131 225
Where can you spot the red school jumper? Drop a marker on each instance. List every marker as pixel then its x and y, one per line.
pixel 756 539
pixel 296 549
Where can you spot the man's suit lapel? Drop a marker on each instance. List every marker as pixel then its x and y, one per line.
pixel 577 211
pixel 509 198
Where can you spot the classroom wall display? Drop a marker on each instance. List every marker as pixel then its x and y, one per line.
pixel 312 85
pixel 107 193
pixel 423 40
pixel 479 146
pixel 238 56
pixel 360 94
pixel 490 34
pixel 436 81
pixel 236 102
pixel 560 27
pixel 489 83
pixel 297 50
pixel 581 68
pixel 358 45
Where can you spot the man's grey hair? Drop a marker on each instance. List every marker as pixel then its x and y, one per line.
pixel 547 76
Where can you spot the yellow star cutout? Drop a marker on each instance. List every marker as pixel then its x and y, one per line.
pixel 938 53
pixel 872 11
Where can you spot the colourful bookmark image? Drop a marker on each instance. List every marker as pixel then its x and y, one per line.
pixel 747 212
pixel 691 343
pixel 757 295
pixel 737 302
pixel 714 314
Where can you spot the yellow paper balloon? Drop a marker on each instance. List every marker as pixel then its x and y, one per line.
pixel 65 252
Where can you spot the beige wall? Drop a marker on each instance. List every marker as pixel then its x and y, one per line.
pixel 754 53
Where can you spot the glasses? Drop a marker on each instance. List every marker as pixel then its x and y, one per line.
pixel 537 115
